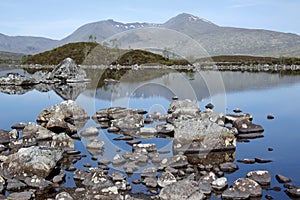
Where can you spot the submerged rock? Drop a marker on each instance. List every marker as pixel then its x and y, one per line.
pixel 31 161
pixel 184 189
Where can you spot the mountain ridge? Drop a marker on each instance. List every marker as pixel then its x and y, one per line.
pixel 215 39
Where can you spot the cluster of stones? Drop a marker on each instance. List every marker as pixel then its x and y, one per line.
pixel 33 164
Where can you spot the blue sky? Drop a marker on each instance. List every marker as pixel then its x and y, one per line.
pixel 58 18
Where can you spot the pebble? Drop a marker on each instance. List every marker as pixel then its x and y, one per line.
pixel 270 117
pixel 282 179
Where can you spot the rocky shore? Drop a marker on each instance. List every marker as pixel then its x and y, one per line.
pixel 35 157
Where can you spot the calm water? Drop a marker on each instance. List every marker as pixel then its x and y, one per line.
pixel 257 93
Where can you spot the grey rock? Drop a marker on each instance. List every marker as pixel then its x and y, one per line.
pixel 16 79
pixel 31 161
pixel 293 192
pixel 118 160
pixel 90 132
pixel 231 118
pixel 59 178
pixel 184 107
pixel 26 195
pixel 15 185
pixel 95 147
pixel 80 175
pixel 220 183
pixel 228 167
pixel 63 196
pixel 148 147
pixel 262 160
pixel 66 116
pixel 62 141
pixel 208 178
pixel 37 182
pixel 39 132
pixel 2 183
pixel 149 172
pixel 19 126
pixel 97 178
pixel 22 142
pixel 117 176
pixel 184 189
pixel 68 71
pixel 177 161
pixel 148 131
pixel 282 179
pixel 4 137
pixel 246 161
pixel 166 129
pixel 130 167
pixel 262 177
pixel 243 188
pixel 166 179
pixel 150 182
pixel 193 135
pixel 13 134
pixel 104 161
pixel 130 121
pixel 246 126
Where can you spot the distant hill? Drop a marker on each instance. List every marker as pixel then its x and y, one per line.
pixel 214 39
pixel 25 44
pixel 11 58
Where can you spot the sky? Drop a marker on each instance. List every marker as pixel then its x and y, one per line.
pixel 57 19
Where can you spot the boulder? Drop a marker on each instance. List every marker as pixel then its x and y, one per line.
pixel 68 71
pixel 184 189
pixel 246 126
pixel 262 177
pixel 31 161
pixel 39 132
pixel 194 135
pixel 243 188
pixel 66 116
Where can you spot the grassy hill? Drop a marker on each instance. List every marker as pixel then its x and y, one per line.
pixel 77 51
pixel 11 58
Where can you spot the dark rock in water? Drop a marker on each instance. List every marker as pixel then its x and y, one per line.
pixel 209 106
pixel 270 149
pixel 262 160
pixel 133 142
pixel 261 177
pixel 293 192
pixel 148 120
pixel 247 161
pixel 27 195
pixel 16 79
pixel 149 172
pixel 19 126
pixel 230 118
pixel 4 137
pixel 123 138
pixel 243 188
pixel 268 197
pixel 237 110
pixel 228 167
pixel 250 136
pixel 184 107
pixel 15 185
pixel 289 186
pixel 67 116
pixel 113 129
pixel 276 189
pixel 150 182
pixel 282 179
pixel 175 98
pixel 270 117
pixel 68 71
pixel 166 129
pixel 184 189
pixel 246 126
pixel 31 161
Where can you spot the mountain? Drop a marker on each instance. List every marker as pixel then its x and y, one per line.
pixel 25 44
pixel 211 38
